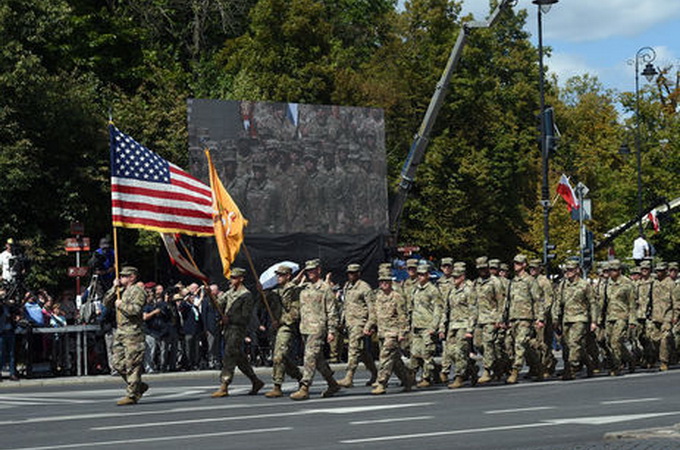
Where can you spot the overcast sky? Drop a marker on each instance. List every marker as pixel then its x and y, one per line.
pixel 599 37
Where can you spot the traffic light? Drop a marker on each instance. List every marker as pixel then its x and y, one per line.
pixel 549 130
pixel 547 249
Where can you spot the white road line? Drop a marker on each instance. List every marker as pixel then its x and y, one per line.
pixel 445 433
pixel 396 419
pixel 534 408
pixel 156 439
pixel 630 400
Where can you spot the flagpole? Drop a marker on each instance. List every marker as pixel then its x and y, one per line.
pixel 115 259
pixel 257 282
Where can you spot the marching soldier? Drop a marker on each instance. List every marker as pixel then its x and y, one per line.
pixel 575 311
pixel 489 299
pixel 643 349
pixel 388 313
pixel 358 299
pixel 427 308
pixel 523 310
pixel 661 315
pixel 618 310
pixel 237 306
pixel 318 324
pixel 128 343
pixel 457 326
pixel 544 335
pixel 287 322
pixel 673 275
pixel 445 283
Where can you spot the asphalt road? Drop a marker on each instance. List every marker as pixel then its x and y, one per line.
pixel 178 414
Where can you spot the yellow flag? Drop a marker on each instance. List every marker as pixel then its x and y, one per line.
pixel 227 220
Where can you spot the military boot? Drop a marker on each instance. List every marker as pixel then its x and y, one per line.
pixel 257 385
pixel 275 392
pixel 424 383
pixel 333 388
pixel 379 389
pixel 443 377
pixel 486 377
pixel 348 381
pixel 126 401
pixel 457 383
pixel 223 391
pixel 372 380
pixel 663 367
pixel 512 379
pixel 301 394
pixel 569 374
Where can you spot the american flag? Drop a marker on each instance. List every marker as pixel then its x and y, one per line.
pixel 149 192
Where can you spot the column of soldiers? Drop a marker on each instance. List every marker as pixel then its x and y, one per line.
pixel 510 321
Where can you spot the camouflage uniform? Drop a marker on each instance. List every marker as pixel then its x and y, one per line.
pixel 642 344
pixel 128 343
pixel 287 313
pixel 458 319
pixel 358 298
pixel 661 319
pixel 237 305
pixel 525 307
pixel 544 336
pixel 618 313
pixel 489 299
pixel 426 314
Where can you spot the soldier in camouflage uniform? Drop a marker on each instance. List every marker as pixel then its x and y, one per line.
pixel 456 326
pixel 642 347
pixel 357 304
pixel 661 315
pixel 489 300
pixel 673 275
pixel 128 343
pixel 574 311
pixel 426 315
pixel 237 307
pixel 522 312
pixel 445 283
pixel 388 313
pixel 286 309
pixel 618 310
pixel 318 324
pixel 544 335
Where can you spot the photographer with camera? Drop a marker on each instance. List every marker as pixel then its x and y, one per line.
pixel 8 316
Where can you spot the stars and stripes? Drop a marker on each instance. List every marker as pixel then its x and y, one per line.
pixel 149 192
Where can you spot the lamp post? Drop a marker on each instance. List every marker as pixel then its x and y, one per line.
pixel 543 8
pixel 645 55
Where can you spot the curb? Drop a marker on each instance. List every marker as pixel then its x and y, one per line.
pixel 672 432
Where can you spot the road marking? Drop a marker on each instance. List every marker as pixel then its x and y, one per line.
pixel 604 420
pixel 349 410
pixel 395 419
pixel 534 408
pixel 157 439
pixel 630 400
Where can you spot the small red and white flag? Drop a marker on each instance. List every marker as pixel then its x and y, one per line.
pixel 567 193
pixel 654 220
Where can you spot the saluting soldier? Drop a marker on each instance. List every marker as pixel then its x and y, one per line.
pixel 287 321
pixel 457 326
pixel 426 314
pixel 388 313
pixel 318 324
pixel 575 311
pixel 661 315
pixel 358 298
pixel 128 341
pixel 237 306
pixel 489 299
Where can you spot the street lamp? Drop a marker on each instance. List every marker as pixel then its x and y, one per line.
pixel 543 8
pixel 645 55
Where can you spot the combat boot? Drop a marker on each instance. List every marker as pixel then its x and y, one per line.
pixel 275 392
pixel 444 377
pixel 257 385
pixel 347 382
pixel 568 374
pixel 223 391
pixel 512 379
pixel 457 383
pixel 663 367
pixel 372 380
pixel 333 388
pixel 379 389
pixel 126 401
pixel 301 394
pixel 486 377
pixel 424 383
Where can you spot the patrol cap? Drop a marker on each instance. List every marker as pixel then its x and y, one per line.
pixel 385 266
pixel 354 268
pixel 504 266
pixel 237 272
pixel 423 268
pixel 672 266
pixel 535 263
pixel 312 264
pixel 447 262
pixel 520 258
pixel 129 270
pixel 482 262
pixel 646 264
pixel 411 263
pixel 457 272
pixel 660 266
pixel 571 265
pixel 384 276
pixel 635 270
pixel 494 263
pixel 283 270
pixel 614 264
pixel 460 265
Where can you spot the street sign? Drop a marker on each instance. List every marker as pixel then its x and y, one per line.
pixel 74 272
pixel 77 228
pixel 78 245
pixel 587 206
pixel 408 250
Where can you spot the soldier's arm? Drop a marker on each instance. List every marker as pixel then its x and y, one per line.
pixel 472 311
pixel 331 311
pixel 632 303
pixel 110 297
pixel 437 311
pixel 403 316
pixel 372 319
pixel 538 302
pixel 444 315
pixel 133 304
pixel 246 310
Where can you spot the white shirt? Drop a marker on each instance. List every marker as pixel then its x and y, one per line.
pixel 7 273
pixel 640 248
